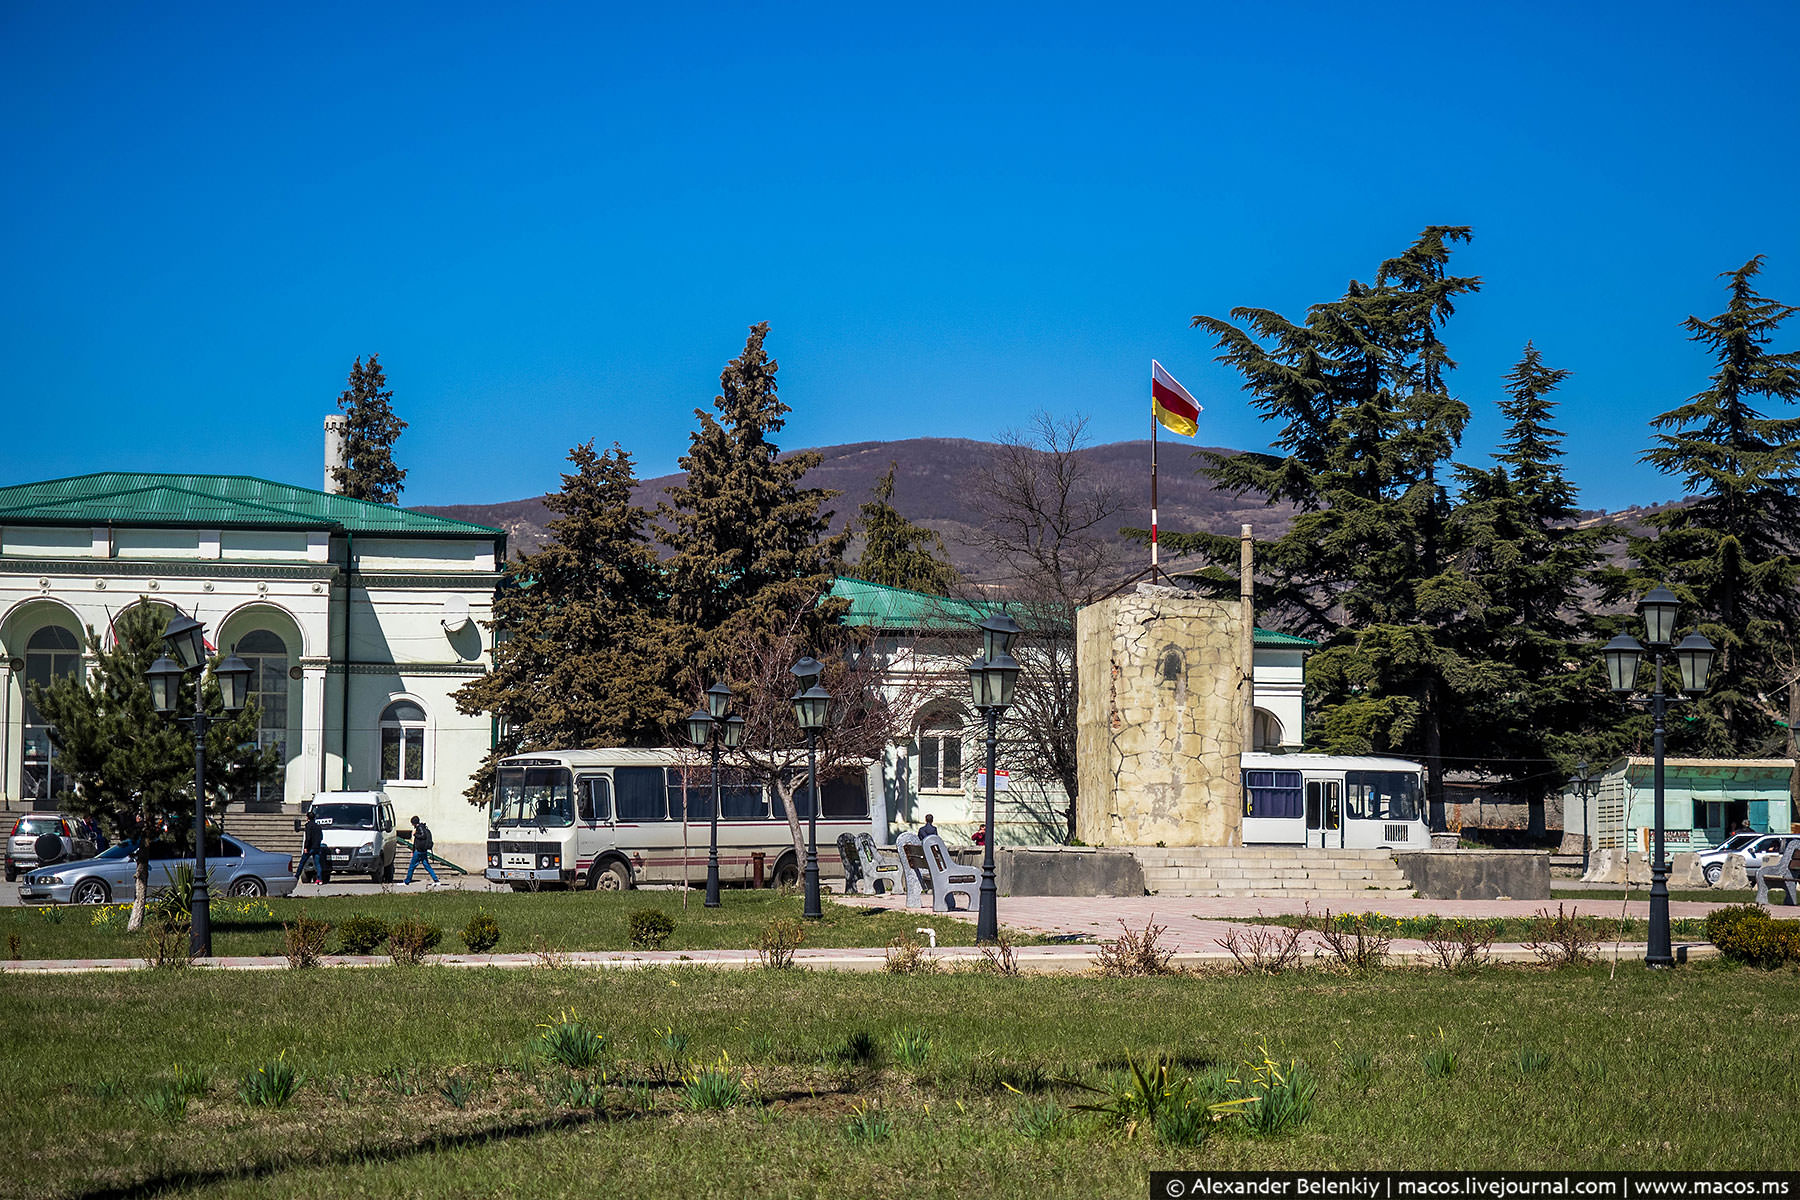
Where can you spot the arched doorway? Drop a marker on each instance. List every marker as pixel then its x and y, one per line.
pixel 267 657
pixel 1267 733
pixel 51 653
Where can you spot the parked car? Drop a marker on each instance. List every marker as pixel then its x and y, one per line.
pixel 1748 847
pixel 234 866
pixel 25 847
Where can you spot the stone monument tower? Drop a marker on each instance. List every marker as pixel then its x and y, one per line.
pixel 1160 719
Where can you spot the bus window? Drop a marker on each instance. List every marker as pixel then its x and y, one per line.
pixel 844 799
pixel 532 796
pixel 1272 794
pixel 1314 789
pixel 594 799
pixel 1387 795
pixel 740 797
pixel 638 792
pixel 1332 805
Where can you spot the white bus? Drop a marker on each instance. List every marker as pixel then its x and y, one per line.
pixel 1337 801
pixel 612 819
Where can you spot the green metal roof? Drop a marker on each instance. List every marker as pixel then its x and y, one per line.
pixel 882 607
pixel 123 498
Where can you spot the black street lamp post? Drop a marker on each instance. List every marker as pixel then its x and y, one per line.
pixel 1694 657
pixel 715 727
pixel 186 639
pixel 812 708
pixel 1584 787
pixel 992 678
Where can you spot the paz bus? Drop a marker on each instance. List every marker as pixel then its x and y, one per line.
pixel 612 819
pixel 1334 801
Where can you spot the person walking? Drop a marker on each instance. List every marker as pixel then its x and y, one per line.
pixel 313 848
pixel 927 829
pixel 421 851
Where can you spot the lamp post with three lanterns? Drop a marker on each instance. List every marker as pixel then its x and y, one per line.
pixel 715 727
pixel 1694 657
pixel 992 678
pixel 186 640
pixel 812 709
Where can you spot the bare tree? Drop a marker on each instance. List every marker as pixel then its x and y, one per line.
pixel 1045 526
pixel 864 718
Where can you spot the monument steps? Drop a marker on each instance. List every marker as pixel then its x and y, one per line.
pixel 271 831
pixel 1274 871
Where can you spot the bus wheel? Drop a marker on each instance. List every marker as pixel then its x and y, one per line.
pixel 610 877
pixel 786 873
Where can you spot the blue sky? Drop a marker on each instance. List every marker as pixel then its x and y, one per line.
pixel 556 222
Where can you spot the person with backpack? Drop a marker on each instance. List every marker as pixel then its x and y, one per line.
pixel 421 851
pixel 313 850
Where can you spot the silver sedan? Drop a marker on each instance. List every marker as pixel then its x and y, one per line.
pixel 235 868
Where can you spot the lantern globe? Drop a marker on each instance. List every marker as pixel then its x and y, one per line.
pixel 1622 655
pixel 718 700
pixel 1659 609
pixel 812 708
pixel 978 683
pixel 186 639
pixel 806 672
pixel 165 684
pixel 1694 656
pixel 734 732
pixel 699 727
pixel 234 683
pixel 997 634
pixel 1003 676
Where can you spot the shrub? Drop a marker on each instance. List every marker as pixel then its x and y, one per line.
pixel 271 1085
pixel 362 935
pixel 1263 949
pixel 1356 940
pixel 1563 940
pixel 412 939
pixel 999 957
pixel 168 945
pixel 650 929
pixel 1463 944
pixel 778 941
pixel 1745 933
pixel 906 957
pixel 305 940
pixel 1134 953
pixel 481 934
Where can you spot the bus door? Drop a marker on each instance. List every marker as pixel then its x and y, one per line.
pixel 1324 813
pixel 594 820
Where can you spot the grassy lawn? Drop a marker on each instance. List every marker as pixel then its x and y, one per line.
pixel 1641 891
pixel 1503 929
pixel 429 1081
pixel 552 920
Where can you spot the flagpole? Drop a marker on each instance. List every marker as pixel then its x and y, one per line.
pixel 1153 424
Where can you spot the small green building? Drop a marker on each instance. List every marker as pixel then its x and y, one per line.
pixel 1704 799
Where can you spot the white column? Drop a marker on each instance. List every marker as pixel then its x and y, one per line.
pixel 309 772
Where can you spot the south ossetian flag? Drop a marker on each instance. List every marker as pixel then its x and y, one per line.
pixel 1171 404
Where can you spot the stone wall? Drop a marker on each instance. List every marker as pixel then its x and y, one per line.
pixel 1159 720
pixel 1061 871
pixel 1477 874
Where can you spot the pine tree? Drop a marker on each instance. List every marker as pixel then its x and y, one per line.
pixel 369 472
pixel 1509 604
pixel 1367 423
pixel 896 552
pixel 749 544
pixel 580 658
pixel 1731 553
pixel 133 769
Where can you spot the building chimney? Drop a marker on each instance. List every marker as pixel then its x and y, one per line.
pixel 336 426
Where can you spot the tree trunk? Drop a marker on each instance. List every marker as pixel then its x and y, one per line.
pixel 793 819
pixel 140 891
pixel 1434 759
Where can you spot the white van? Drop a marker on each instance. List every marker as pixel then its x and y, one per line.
pixel 357 830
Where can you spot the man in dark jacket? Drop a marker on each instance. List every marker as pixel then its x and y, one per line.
pixel 313 847
pixel 421 851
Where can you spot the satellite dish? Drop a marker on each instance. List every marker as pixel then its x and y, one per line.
pixel 456 615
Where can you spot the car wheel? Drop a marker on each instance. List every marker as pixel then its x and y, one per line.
pixel 786 872
pixel 90 891
pixel 387 872
pixel 613 876
pixel 1713 871
pixel 12 872
pixel 249 885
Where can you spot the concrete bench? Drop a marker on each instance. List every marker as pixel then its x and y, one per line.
pixel 948 877
pixel 882 871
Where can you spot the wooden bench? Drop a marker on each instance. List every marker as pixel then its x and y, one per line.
pixel 1784 870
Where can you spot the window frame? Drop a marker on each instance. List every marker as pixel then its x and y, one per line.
pixel 937 734
pixel 419 729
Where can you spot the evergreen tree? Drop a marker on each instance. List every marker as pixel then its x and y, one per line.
pixel 132 769
pixel 1509 604
pixel 580 654
pixel 749 545
pixel 896 552
pixel 369 472
pixel 1367 424
pixel 1730 554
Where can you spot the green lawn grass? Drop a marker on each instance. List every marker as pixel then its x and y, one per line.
pixel 1552 1069
pixel 1642 892
pixel 1503 929
pixel 549 920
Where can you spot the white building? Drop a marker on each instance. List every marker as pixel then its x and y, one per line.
pixel 926 641
pixel 359 619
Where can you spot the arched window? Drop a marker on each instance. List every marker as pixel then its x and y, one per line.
pixel 52 653
pixel 940 754
pixel 267 656
pixel 403 743
pixel 1267 733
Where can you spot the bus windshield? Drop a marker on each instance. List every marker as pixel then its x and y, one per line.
pixel 1383 795
pixel 532 796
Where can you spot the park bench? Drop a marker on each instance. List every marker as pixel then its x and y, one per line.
pixel 949 878
pixel 854 881
pixel 881 871
pixel 917 873
pixel 1784 870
